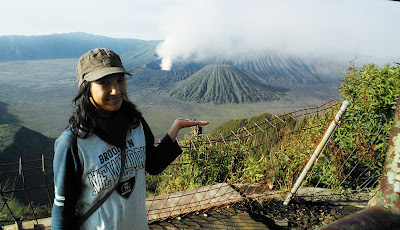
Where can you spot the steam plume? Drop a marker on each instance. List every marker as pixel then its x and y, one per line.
pixel 205 28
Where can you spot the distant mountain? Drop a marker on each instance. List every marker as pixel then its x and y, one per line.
pixel 144 55
pixel 149 77
pixel 59 46
pixel 270 67
pixel 221 84
pixel 279 68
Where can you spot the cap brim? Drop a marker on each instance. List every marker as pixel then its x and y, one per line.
pixel 100 73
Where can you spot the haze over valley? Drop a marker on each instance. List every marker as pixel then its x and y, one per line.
pixel 39 92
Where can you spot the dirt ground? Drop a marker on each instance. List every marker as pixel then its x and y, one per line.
pixel 299 214
pixel 307 211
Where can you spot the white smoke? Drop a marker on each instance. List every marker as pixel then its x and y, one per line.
pixel 205 28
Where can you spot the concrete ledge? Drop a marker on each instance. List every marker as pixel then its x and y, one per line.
pixel 39 224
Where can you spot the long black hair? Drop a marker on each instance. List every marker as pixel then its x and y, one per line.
pixel 83 118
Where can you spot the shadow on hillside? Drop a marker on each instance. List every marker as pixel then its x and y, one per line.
pixel 5 117
pixel 21 168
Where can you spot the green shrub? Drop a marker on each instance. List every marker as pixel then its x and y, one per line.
pixel 275 155
pixel 21 211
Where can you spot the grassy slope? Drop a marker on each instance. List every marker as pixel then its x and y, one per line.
pixel 160 110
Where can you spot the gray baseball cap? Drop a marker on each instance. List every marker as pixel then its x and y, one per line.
pixel 98 63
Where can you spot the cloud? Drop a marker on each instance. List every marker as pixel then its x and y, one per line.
pixel 208 27
pixel 121 18
pixel 203 28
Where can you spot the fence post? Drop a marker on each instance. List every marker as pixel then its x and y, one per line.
pixel 389 191
pixel 18 224
pixel 317 151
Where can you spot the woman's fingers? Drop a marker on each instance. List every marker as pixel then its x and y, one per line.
pixel 189 122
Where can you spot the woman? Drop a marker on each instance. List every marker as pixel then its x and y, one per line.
pixel 107 133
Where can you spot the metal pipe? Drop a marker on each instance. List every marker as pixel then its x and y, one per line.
pixel 317 151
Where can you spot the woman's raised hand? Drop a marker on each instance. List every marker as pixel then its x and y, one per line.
pixel 180 123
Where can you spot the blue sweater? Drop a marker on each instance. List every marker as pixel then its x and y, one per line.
pixel 83 177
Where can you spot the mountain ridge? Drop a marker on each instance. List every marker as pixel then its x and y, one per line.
pixel 270 67
pixel 59 46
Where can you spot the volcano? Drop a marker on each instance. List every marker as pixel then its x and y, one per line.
pixel 220 84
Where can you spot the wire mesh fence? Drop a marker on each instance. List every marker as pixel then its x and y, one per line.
pixel 257 161
pixel 26 190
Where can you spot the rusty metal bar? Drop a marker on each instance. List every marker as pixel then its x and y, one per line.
pixel 269 122
pixel 389 194
pixel 249 134
pixel 279 119
pixel 220 134
pixel 292 116
pixel 208 138
pixel 374 217
pixel 258 126
pixel 385 214
pixel 235 135
pixel 194 146
pixel 45 179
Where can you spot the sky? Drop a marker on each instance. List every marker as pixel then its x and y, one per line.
pixel 207 27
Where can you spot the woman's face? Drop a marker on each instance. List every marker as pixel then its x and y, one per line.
pixel 108 92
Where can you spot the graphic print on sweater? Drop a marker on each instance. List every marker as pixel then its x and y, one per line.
pixel 107 174
pixel 125 188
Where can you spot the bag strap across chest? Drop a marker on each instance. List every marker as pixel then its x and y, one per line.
pixel 84 217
